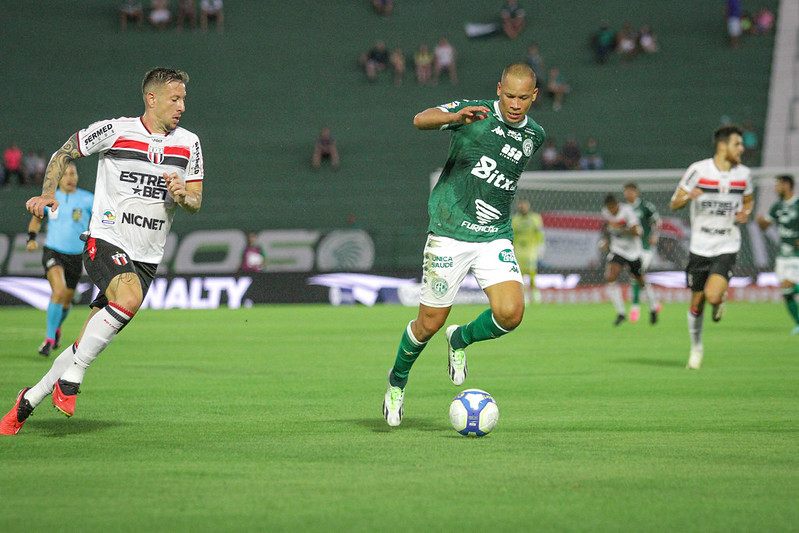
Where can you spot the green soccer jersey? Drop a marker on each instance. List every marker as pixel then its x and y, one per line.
pixel 786 215
pixel 649 217
pixel 472 199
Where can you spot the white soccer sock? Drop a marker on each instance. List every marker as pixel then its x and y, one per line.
pixel 99 332
pixel 41 390
pixel 695 328
pixel 613 291
pixel 651 298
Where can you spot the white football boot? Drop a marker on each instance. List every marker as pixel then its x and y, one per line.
pixel 392 403
pixel 695 360
pixel 457 360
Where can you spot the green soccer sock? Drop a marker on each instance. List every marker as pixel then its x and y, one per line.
pixel 407 353
pixel 482 328
pixel 793 308
pixel 636 292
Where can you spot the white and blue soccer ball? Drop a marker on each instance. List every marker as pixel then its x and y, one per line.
pixel 473 413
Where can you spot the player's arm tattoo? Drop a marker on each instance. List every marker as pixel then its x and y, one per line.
pixel 193 199
pixel 58 165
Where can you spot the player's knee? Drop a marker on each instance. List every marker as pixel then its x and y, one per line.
pixel 60 295
pixel 509 316
pixel 714 297
pixel 427 326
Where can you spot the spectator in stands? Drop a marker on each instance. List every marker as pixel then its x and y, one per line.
pixel 34 166
pixel 130 10
pixel 764 21
pixel 325 149
pixel 732 13
pixel 550 157
pixel 571 155
pixel 160 15
pixel 397 60
pixel 647 41
pixel 751 143
pixel 557 88
pixel 603 42
pixel 445 56
pixel 186 13
pixel 627 42
pixel 591 158
pixel 254 257
pixel 423 62
pixel 212 10
pixel 12 162
pixel 375 60
pixel 383 7
pixel 536 63
pixel 512 19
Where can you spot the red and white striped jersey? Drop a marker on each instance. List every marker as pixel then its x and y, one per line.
pixel 132 207
pixel 713 228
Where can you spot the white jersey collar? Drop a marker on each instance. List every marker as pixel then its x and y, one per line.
pixel 498 113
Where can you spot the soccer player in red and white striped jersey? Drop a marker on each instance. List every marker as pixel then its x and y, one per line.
pixel 720 192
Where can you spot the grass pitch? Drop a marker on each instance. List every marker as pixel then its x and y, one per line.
pixel 269 419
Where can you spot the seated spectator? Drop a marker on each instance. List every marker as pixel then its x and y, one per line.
pixel 603 42
pixel 383 7
pixel 130 10
pixel 512 19
pixel 550 157
pixel 557 88
pixel 325 149
pixel 397 60
pixel 627 42
pixel 732 13
pixel 160 16
pixel 375 60
pixel 536 63
pixel 12 163
pixel 591 158
pixel 444 55
pixel 186 13
pixel 212 10
pixel 254 257
pixel 647 41
pixel 571 155
pixel 423 62
pixel 764 21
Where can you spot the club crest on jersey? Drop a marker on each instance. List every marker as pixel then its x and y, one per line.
pixel 527 147
pixel 155 154
pixel 120 258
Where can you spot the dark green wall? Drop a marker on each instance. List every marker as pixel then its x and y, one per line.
pixel 261 90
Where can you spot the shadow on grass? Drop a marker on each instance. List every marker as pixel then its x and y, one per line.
pixel 378 425
pixel 654 362
pixel 62 428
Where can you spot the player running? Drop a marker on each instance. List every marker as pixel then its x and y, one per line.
pixel 148 166
pixel 719 190
pixel 785 214
pixel 529 243
pixel 470 229
pixel 63 247
pixel 650 227
pixel 621 232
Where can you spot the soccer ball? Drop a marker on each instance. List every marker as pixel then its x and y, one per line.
pixel 473 413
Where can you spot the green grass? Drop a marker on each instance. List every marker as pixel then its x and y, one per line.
pixel 268 419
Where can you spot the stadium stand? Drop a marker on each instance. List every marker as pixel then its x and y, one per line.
pixel 261 90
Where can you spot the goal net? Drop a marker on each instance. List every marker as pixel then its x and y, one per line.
pixel 570 204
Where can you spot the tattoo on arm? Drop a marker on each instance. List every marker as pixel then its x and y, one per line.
pixel 58 165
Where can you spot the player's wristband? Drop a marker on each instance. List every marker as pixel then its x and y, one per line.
pixel 32 236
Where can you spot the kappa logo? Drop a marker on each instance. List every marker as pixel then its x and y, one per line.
pixel 155 154
pixel 498 131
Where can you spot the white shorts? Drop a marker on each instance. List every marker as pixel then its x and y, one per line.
pixel 734 26
pixel 447 261
pixel 787 268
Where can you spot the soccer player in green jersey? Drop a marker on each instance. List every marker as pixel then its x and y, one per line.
pixel 650 225
pixel 470 228
pixel 785 214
